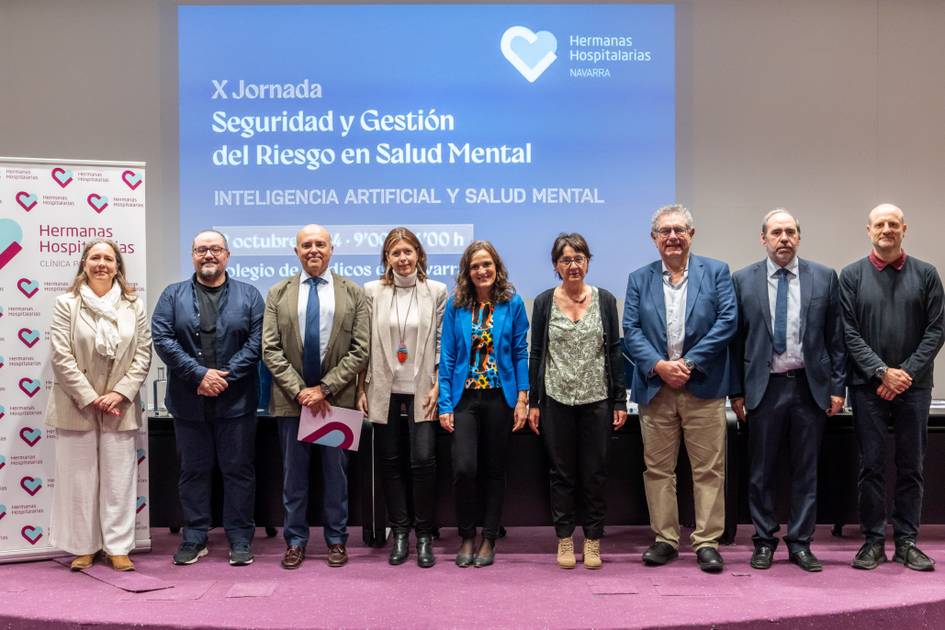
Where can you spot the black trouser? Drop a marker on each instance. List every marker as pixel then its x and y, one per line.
pixel 576 438
pixel 787 413
pixel 482 425
pixel 400 441
pixel 231 444
pixel 909 414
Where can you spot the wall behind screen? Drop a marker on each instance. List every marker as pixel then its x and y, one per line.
pixel 826 108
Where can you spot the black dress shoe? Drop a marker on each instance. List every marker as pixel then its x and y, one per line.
pixel 425 557
pixel 761 557
pixel 486 554
pixel 659 553
pixel 870 556
pixel 912 557
pixel 401 548
pixel 709 559
pixel 466 553
pixel 806 560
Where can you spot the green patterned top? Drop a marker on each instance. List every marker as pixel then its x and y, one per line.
pixel 574 374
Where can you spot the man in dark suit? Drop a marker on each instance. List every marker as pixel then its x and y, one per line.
pixel 789 375
pixel 679 317
pixel 315 342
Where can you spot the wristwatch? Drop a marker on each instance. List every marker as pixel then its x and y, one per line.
pixel 689 363
pixel 325 390
pixel 880 372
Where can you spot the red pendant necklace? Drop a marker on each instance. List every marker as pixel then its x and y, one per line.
pixel 402 353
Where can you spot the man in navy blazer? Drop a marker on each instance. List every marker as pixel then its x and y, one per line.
pixel 679 317
pixel 789 367
pixel 207 330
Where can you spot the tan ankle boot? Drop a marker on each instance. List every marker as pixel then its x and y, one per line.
pixel 122 563
pixel 592 553
pixel 566 559
pixel 82 562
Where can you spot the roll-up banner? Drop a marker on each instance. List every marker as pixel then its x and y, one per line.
pixel 48 210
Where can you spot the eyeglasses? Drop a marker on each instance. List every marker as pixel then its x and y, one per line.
pixel 567 261
pixel 678 230
pixel 216 250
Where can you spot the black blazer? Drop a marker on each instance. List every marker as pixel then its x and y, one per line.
pixel 821 333
pixel 613 360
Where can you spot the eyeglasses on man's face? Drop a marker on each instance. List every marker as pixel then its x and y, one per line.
pixel 669 230
pixel 216 250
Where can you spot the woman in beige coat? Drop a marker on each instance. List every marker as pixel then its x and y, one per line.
pixel 101 352
pixel 399 391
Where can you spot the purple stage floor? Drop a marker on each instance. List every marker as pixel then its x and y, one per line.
pixel 524 589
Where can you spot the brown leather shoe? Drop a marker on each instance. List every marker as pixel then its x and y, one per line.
pixel 337 555
pixel 122 563
pixel 293 557
pixel 82 562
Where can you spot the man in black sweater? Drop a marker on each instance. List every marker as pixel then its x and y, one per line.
pixel 893 320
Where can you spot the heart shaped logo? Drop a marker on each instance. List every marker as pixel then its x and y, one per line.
pixel 140 455
pixel 30 435
pixel 32 485
pixel 28 337
pixel 61 176
pixel 332 434
pixel 31 533
pixel 131 179
pixel 140 503
pixel 29 386
pixel 11 237
pixel 97 202
pixel 3 461
pixel 529 53
pixel 26 200
pixel 27 287
pixel 3 511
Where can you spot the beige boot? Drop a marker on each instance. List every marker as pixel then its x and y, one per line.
pixel 122 563
pixel 82 562
pixel 592 553
pixel 566 559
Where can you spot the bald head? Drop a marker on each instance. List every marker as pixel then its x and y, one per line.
pixel 313 247
pixel 886 229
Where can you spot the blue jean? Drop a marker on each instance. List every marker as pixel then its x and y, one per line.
pixel 296 457
pixel 230 443
pixel 908 413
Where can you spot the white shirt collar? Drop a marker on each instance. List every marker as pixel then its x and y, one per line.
pixel 773 268
pixel 325 275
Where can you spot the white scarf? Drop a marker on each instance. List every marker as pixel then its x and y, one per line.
pixel 105 309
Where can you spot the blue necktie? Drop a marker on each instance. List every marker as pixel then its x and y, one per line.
pixel 311 345
pixel 780 313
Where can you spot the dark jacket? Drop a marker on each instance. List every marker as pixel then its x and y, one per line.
pixel 613 359
pixel 175 329
pixel 821 322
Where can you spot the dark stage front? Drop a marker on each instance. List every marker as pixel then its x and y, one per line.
pixel 527 494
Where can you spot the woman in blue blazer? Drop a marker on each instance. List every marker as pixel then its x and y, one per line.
pixel 483 377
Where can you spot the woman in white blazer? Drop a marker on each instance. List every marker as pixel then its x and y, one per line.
pixel 101 352
pixel 399 391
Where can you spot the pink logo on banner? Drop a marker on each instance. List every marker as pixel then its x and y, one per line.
pixel 2 361
pixel 3 411
pixel 97 202
pixel 131 179
pixel 28 337
pixel 3 511
pixel 140 455
pixel 27 287
pixel 26 200
pixel 32 485
pixel 29 386
pixel 61 176
pixel 31 533
pixel 139 505
pixel 3 461
pixel 11 237
pixel 30 435
pixel 1 311
pixel 332 433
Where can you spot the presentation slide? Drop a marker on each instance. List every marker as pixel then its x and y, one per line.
pixel 509 123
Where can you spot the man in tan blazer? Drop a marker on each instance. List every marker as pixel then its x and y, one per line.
pixel 315 342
